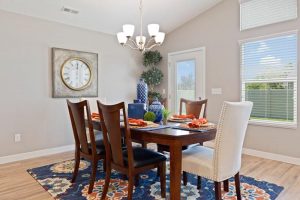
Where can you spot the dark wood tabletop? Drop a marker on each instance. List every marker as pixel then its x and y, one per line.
pixel 175 139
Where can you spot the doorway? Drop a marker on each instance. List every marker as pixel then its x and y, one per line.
pixel 186 76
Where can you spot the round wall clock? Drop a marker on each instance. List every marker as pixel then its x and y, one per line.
pixel 76 73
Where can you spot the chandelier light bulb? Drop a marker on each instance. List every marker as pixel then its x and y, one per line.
pixel 128 30
pixel 153 29
pixel 121 38
pixel 140 41
pixel 160 37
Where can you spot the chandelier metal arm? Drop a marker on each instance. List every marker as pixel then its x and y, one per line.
pixel 128 45
pixel 133 42
pixel 154 45
pixel 149 42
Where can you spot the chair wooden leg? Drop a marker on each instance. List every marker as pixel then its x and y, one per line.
pixel 184 177
pixel 104 165
pixel 198 182
pixel 130 187
pixel 238 186
pixel 162 172
pixel 226 185
pixel 106 184
pixel 218 192
pixel 93 176
pixel 76 167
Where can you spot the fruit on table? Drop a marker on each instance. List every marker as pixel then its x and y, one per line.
pixel 150 116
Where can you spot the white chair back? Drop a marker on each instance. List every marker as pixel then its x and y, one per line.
pixel 230 136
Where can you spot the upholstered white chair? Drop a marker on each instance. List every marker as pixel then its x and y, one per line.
pixel 224 161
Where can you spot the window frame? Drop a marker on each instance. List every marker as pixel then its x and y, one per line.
pixel 271 123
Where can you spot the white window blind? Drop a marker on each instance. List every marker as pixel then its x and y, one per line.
pixel 269 78
pixel 255 13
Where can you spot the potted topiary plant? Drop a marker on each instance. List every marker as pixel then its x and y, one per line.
pixel 154 75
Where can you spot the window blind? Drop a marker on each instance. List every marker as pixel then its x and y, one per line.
pixel 269 78
pixel 255 13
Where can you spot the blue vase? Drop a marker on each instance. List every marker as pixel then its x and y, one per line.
pixel 142 91
pixel 157 108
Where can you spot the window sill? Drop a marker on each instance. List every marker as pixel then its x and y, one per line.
pixel 290 125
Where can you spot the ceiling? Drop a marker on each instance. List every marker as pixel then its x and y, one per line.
pixel 108 16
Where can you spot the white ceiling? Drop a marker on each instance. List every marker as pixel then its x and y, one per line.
pixel 108 16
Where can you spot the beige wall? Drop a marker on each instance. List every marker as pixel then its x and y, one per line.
pixel 218 30
pixel 26 105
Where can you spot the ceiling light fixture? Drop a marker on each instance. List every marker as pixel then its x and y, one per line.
pixel 156 37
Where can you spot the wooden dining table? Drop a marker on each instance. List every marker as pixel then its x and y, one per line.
pixel 175 139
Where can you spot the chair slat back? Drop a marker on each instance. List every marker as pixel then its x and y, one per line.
pixel 193 107
pixel 112 132
pixel 230 136
pixel 77 113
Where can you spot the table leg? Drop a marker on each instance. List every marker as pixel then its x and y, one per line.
pixel 175 171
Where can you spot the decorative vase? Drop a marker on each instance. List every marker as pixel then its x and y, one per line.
pixel 142 91
pixel 157 108
pixel 165 121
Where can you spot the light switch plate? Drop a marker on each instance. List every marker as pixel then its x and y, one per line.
pixel 216 91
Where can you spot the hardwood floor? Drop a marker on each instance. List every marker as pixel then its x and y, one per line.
pixel 16 183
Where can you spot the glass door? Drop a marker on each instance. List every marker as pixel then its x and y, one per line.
pixel 186 77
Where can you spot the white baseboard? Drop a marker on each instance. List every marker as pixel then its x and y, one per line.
pixel 272 156
pixel 35 154
pixel 56 150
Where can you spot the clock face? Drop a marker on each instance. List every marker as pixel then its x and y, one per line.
pixel 76 74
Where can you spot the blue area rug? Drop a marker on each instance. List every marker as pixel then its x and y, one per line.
pixel 56 178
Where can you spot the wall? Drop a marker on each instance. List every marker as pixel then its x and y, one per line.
pixel 26 105
pixel 218 31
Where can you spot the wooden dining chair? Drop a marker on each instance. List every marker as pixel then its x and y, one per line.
pixel 193 107
pixel 224 161
pixel 91 149
pixel 131 161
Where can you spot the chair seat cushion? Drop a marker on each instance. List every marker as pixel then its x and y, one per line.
pixel 143 157
pixel 100 148
pixel 198 160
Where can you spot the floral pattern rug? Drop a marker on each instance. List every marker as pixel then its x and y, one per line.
pixel 56 178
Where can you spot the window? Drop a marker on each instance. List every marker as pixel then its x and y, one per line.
pixel 254 13
pixel 269 79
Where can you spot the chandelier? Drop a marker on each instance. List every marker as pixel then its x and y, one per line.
pixel 156 37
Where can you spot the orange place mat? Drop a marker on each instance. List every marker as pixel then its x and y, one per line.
pixel 149 125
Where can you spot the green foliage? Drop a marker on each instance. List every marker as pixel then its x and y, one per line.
pixel 187 82
pixel 153 95
pixel 266 86
pixel 166 113
pixel 152 77
pixel 151 58
pixel 150 116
